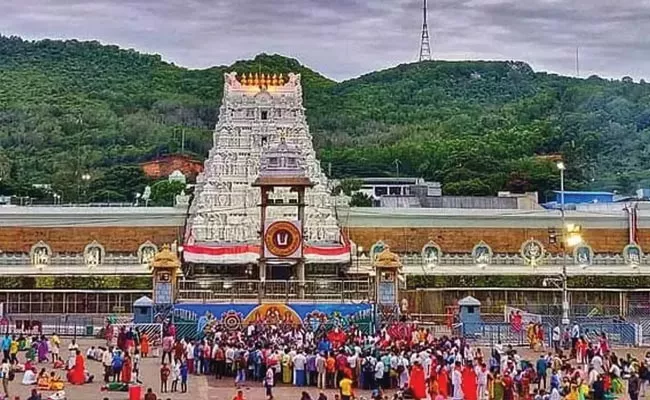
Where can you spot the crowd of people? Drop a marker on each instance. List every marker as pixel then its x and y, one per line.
pixel 409 362
pixel 403 359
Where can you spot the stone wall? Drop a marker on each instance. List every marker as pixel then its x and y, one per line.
pixel 74 239
pixel 501 240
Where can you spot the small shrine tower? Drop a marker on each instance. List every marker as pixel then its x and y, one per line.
pixel 165 268
pixel 387 267
pixel 282 166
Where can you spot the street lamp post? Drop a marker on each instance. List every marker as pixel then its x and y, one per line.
pixel 85 178
pixel 564 278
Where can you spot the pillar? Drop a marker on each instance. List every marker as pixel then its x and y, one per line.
pixel 262 261
pixel 300 266
pixel 300 275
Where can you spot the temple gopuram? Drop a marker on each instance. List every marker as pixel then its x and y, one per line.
pixel 223 230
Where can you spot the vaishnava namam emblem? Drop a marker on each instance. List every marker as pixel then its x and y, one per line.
pixel 282 239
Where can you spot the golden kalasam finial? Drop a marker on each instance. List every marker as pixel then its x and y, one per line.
pixel 256 79
pixel 281 80
pixel 274 80
pixel 264 81
pixel 250 79
pixel 244 81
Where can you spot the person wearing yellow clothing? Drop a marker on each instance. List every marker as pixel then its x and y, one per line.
pixel 346 388
pixel 13 350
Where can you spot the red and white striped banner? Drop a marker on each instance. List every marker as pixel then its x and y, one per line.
pixel 249 253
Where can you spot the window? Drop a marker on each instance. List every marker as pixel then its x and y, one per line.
pixel 265 115
pixel 381 191
pixel 470 309
pixel 395 190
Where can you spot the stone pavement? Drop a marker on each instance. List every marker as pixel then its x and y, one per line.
pixel 225 390
pixel 197 385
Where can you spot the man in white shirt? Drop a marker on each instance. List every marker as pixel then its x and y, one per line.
pixel 299 361
pixel 321 370
pixel 269 381
pixel 4 372
pixel 189 354
pixel 556 337
pixel 379 375
pixel 352 361
pixel 230 357
pixel 107 363
pixel 575 335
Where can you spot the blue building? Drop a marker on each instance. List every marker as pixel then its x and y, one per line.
pixel 571 198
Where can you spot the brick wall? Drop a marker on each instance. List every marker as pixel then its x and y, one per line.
pixel 163 167
pixel 501 240
pixel 75 239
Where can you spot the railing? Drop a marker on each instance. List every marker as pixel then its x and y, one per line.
pixel 283 291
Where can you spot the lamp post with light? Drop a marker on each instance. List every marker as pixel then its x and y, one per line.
pixel 570 238
pixel 565 294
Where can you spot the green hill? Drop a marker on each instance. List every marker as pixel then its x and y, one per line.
pixel 68 108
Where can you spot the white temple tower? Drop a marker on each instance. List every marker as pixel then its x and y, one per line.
pixel 223 227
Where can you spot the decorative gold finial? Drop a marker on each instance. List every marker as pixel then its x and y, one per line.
pixel 274 80
pixel 281 80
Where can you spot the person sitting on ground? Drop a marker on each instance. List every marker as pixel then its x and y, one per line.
pixel 58 363
pixel 150 395
pixel 90 353
pixel 55 382
pixel 239 395
pixel 43 380
pixel 35 395
pixel 30 378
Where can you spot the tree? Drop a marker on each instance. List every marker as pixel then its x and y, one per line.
pixel 163 193
pixel 360 199
pixel 347 187
pixel 118 183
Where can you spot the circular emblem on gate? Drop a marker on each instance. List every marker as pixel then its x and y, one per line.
pixel 282 238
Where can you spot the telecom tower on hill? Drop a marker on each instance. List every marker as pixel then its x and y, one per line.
pixel 425 46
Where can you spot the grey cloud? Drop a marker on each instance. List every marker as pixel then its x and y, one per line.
pixel 346 38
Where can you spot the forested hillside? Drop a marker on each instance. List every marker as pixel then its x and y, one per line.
pixel 73 108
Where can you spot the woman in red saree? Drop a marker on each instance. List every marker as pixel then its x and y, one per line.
pixel 78 372
pixel 469 385
pixel 144 345
pixel 443 382
pixel 417 382
pixel 126 369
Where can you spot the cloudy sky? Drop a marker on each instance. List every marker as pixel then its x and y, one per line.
pixel 346 38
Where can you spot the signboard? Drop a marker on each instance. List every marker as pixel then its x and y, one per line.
pixel 163 293
pixel 283 239
pixel 386 293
